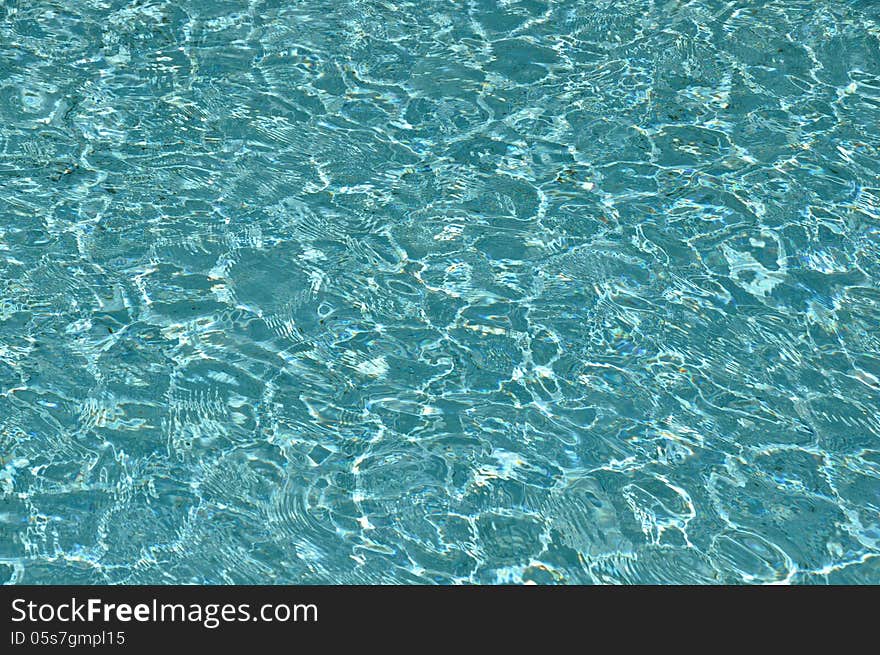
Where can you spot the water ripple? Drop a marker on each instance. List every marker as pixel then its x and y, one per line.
pixel 368 292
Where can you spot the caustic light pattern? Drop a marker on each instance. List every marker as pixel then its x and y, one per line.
pixel 447 291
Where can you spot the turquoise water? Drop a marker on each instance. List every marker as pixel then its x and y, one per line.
pixel 440 291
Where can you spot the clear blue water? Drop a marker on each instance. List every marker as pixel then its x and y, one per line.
pixel 439 291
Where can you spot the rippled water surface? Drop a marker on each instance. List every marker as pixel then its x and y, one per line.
pixel 356 291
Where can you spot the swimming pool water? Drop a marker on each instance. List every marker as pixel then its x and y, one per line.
pixel 449 291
